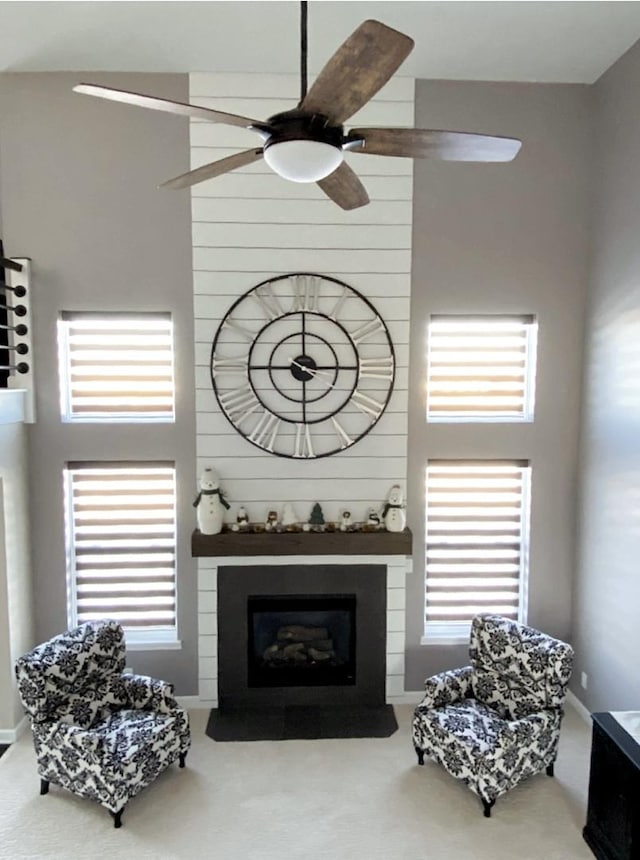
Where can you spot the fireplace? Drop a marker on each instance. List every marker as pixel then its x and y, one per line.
pixel 301 640
pixel 309 610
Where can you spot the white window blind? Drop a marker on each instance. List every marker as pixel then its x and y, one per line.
pixel 477 521
pixel 481 368
pixel 116 366
pixel 121 544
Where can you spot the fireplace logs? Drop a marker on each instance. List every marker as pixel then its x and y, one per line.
pixel 297 645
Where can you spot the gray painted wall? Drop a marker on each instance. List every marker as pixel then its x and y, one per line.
pixel 505 239
pixel 606 621
pixel 79 197
pixel 78 184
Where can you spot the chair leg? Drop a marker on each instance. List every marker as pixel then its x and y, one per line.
pixel 117 817
pixel 44 786
pixel 181 759
pixel 487 804
pixel 550 769
pixel 420 754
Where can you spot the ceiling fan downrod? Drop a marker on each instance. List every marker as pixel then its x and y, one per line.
pixel 303 50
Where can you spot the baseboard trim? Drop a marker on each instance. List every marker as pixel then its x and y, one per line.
pixel 577 705
pixel 192 702
pixel 10 736
pixel 409 697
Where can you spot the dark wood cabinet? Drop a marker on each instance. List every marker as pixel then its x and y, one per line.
pixel 612 830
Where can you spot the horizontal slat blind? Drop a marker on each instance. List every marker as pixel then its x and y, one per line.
pixel 117 366
pixel 481 367
pixel 476 540
pixel 121 523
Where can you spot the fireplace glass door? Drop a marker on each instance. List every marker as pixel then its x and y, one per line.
pixel 297 640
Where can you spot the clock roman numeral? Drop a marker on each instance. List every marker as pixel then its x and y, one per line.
pixel 377 368
pixel 230 365
pixel 338 305
pixel 269 303
pixel 343 436
pixel 302 445
pixel 239 403
pixel 305 294
pixel 240 329
pixel 366 404
pixel 266 427
pixel 367 330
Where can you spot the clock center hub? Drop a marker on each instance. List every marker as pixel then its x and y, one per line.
pixel 302 368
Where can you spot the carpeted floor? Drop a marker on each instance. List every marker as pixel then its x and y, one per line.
pixel 347 799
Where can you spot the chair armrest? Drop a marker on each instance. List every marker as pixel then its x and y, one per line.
pixel 447 688
pixel 149 694
pixel 525 729
pixel 55 734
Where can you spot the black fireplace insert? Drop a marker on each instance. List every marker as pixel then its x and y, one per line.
pixel 301 640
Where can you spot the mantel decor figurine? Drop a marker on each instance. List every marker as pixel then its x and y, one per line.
pixel 393 514
pixel 210 503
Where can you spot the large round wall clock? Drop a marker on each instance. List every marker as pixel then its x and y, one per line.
pixel 302 365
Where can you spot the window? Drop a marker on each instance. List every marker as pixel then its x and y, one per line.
pixel 477 523
pixel 116 367
pixel 121 546
pixel 481 368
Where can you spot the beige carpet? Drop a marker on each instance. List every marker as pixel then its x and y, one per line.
pixel 363 799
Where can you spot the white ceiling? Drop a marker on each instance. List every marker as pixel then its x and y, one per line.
pixel 518 41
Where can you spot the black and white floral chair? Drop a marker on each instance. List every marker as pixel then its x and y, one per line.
pixel 497 721
pixel 98 732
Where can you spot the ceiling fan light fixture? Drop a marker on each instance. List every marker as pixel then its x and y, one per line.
pixel 303 160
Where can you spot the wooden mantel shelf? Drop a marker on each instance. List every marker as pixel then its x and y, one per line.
pixel 302 543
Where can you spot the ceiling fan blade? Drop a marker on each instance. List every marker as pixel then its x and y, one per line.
pixel 216 168
pixel 179 108
pixel 440 145
pixel 344 188
pixel 357 70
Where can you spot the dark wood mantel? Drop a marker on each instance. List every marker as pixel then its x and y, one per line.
pixel 302 543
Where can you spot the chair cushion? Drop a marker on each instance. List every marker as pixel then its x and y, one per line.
pixel 476 727
pixel 125 730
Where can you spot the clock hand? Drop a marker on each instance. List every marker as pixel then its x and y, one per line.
pixel 314 372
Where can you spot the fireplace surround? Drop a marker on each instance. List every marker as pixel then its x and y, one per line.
pixel 213 555
pixel 240 587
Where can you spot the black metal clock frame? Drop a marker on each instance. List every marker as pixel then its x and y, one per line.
pixel 303 368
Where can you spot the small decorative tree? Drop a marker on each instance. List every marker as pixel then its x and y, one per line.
pixel 316 519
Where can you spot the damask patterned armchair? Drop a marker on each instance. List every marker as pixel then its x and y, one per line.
pixel 98 732
pixel 497 721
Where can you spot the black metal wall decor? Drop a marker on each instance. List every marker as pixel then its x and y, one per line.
pixel 10 308
pixel 303 365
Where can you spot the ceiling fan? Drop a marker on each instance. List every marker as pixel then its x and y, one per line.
pixel 306 144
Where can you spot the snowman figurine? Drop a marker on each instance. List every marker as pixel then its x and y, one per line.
pixel 393 514
pixel 209 503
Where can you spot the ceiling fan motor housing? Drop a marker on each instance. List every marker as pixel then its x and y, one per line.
pixel 301 125
pixel 302 146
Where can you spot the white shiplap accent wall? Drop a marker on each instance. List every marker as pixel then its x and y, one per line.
pixel 252 225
